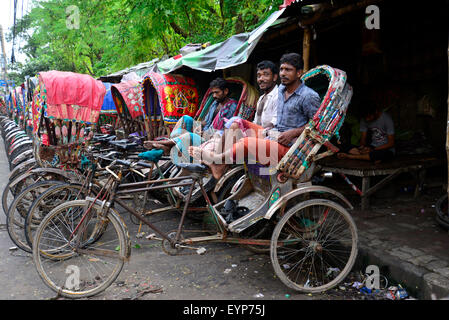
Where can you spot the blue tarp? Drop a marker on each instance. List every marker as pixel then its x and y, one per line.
pixel 108 106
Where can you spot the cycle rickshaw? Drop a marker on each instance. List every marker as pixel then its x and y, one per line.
pixel 65 105
pixel 128 102
pixel 312 242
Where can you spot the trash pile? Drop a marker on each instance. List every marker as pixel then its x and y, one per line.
pixel 368 288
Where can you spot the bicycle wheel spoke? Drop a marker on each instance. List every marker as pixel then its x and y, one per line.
pixel 79 259
pixel 318 240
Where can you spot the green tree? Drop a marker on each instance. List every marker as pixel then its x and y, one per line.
pixel 116 34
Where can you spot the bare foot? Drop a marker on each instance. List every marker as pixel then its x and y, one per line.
pixel 148 144
pixel 199 154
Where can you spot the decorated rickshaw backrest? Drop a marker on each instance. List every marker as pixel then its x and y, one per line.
pixel 172 94
pixel 247 99
pixel 128 98
pixel 108 106
pixel 335 93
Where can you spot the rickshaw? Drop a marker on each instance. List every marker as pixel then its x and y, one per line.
pixel 64 105
pixel 167 97
pixel 312 242
pixel 50 119
pixel 108 119
pixel 30 86
pixel 128 101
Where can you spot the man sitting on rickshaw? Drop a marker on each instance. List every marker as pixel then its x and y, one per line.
pixel 297 104
pixel 266 109
pixel 187 128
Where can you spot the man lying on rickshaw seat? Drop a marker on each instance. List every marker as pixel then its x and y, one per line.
pixel 297 104
pixel 186 128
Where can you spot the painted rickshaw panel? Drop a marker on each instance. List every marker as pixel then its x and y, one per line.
pixel 171 95
pixel 128 98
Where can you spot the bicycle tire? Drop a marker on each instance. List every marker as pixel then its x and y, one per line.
pixel 15 222
pixel 21 182
pixel 52 264
pixel 46 202
pixel 302 223
pixel 441 207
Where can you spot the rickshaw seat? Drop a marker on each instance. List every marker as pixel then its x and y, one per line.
pixel 152 155
pixel 124 145
pixel 192 167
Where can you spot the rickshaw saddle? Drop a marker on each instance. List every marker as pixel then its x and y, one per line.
pixel 124 144
pixel 192 167
pixel 152 155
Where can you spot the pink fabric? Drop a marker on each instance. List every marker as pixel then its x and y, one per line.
pixel 73 89
pixel 131 93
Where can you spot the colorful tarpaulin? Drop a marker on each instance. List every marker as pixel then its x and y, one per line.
pixel 71 96
pixel 174 95
pixel 231 52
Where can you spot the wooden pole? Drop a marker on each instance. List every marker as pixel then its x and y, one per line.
pixel 306 48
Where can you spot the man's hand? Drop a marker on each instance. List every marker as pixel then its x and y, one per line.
pixel 287 136
pixel 364 150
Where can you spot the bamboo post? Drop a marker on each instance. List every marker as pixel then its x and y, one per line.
pixel 306 48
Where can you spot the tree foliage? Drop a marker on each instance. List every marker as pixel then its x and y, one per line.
pixel 116 34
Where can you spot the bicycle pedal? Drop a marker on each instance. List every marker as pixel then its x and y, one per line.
pixel 199 251
pixel 152 237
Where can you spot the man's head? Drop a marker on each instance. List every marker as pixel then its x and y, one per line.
pixel 267 75
pixel 219 89
pixel 291 68
pixel 370 111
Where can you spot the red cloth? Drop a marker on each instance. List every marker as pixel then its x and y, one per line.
pixel 73 89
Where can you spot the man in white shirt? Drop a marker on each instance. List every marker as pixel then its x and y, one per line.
pixel 264 119
pixel 266 112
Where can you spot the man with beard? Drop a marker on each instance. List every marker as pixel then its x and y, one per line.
pixel 188 131
pixel 297 104
pixel 223 106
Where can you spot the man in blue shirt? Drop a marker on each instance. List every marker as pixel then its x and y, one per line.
pixel 297 104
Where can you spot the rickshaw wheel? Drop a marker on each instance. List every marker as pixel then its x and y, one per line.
pixel 78 274
pixel 314 246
